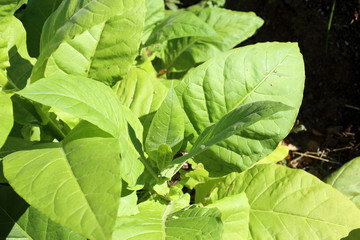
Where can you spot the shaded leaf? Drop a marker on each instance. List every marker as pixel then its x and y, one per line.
pixel 19 221
pixel 34 17
pixel 347 180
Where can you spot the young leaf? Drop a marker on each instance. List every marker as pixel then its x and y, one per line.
pixel 164 156
pixel 347 180
pixel 238 120
pixel 261 72
pixel 19 221
pixel 136 92
pixel 98 39
pixel 235 216
pixel 6 117
pixel 156 221
pixel 141 92
pixel 167 126
pixel 179 24
pixel 232 28
pixel 61 181
pixel 290 204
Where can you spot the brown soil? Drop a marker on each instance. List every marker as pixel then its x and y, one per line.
pixel 330 110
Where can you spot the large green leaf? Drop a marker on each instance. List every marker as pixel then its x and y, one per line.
pixel 232 28
pixel 98 39
pixel 156 221
pixel 81 97
pixel 290 204
pixel 235 216
pixel 96 103
pixel 265 71
pixel 18 221
pixel 34 17
pixel 76 183
pixel 347 180
pixel 179 24
pixel 238 120
pixel 167 126
pixel 6 117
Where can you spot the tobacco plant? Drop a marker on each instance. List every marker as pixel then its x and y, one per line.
pixel 120 120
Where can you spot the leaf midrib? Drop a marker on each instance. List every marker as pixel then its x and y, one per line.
pixel 296 216
pixel 83 194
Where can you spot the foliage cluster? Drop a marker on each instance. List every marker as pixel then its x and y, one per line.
pixel 104 103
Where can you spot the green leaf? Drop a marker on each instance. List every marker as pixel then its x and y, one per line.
pixel 235 216
pixel 155 11
pixel 277 155
pixel 136 91
pixel 128 205
pixel 97 39
pixel 7 9
pixel 179 24
pixel 238 120
pixel 34 17
pixel 156 221
pixel 261 72
pixel 347 180
pixel 164 156
pixel 167 126
pixel 290 204
pixel 141 92
pixel 81 97
pixel 18 221
pixel 61 181
pixel 20 64
pixel 96 103
pixel 6 117
pixel 232 28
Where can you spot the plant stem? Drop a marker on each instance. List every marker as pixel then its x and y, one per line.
pixel 329 27
pixel 58 134
pixel 149 168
